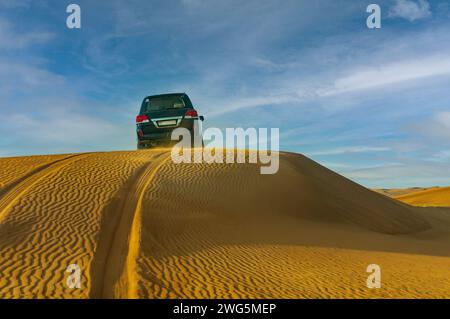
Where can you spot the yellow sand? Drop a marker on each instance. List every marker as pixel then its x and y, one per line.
pixel 437 197
pixel 395 192
pixel 14 168
pixel 139 225
pixel 56 222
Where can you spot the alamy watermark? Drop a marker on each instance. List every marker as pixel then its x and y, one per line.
pixel 374 279
pixel 73 281
pixel 374 19
pixel 73 21
pixel 231 148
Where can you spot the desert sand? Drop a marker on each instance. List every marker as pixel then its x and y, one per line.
pixel 140 226
pixel 395 192
pixel 433 197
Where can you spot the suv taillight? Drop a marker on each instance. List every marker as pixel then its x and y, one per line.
pixel 191 114
pixel 142 119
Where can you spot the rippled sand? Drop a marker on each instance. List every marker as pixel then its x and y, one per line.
pixel 140 226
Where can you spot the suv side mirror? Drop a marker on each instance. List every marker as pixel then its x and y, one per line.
pixel 202 118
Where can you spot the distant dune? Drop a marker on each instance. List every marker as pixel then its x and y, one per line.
pixel 438 197
pixel 140 226
pixel 394 192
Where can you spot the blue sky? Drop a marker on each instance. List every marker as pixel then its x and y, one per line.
pixel 373 105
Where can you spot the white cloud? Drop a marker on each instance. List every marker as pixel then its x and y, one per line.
pixel 358 79
pixel 390 73
pixel 41 113
pixel 443 118
pixel 411 10
pixel 402 175
pixel 22 78
pixel 15 3
pixel 442 156
pixel 237 104
pixel 435 128
pixel 60 129
pixel 63 128
pixel 350 149
pixel 10 39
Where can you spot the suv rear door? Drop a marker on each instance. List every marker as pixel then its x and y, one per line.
pixel 165 112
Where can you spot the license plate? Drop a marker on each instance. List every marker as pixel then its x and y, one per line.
pixel 167 123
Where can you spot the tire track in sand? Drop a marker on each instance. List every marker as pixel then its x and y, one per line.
pixel 10 194
pixel 113 271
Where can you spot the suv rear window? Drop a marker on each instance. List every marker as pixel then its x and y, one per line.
pixel 160 103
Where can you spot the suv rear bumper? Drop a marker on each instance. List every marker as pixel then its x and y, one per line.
pixel 154 140
pixel 153 136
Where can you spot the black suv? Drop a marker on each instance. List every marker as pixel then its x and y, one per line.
pixel 161 114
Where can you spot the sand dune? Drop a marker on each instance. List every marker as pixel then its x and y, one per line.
pixel 14 168
pixel 55 221
pixel 395 192
pixel 437 197
pixel 141 226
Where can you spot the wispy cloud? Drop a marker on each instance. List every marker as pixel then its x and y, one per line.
pixel 402 175
pixel 391 73
pixel 237 104
pixel 411 10
pixel 26 78
pixel 350 149
pixel 442 156
pixel 443 118
pixel 436 128
pixel 15 3
pixel 58 127
pixel 12 39
pixel 356 79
